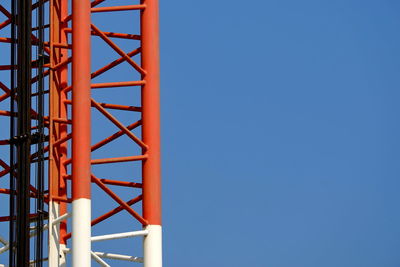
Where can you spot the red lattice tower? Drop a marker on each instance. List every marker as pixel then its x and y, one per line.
pixel 82 192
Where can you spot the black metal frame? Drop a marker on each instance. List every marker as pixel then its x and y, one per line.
pixel 24 90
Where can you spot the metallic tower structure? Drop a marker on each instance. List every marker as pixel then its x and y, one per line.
pixel 60 188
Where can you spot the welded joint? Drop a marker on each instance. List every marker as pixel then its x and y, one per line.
pixel 99 260
pixel 56 221
pixel 62 218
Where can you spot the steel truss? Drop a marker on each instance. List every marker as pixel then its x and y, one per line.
pixel 79 189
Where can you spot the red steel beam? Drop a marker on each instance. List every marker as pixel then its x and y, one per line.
pixel 117 84
pixel 4 142
pixel 118 50
pixel 115 135
pixel 81 133
pixel 81 100
pixel 113 34
pixel 113 182
pixel 116 210
pixel 81 103
pixel 110 66
pixel 119 124
pixel 4 88
pixel 109 139
pixel 119 200
pixel 118 160
pixel 92 4
pixel 113 106
pixel 4 97
pixel 118 8
pixel 114 63
pixel 151 113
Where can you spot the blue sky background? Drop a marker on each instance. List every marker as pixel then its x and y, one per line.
pixel 281 133
pixel 280 130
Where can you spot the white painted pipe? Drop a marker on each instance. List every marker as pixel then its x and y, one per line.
pixel 61 218
pixel 99 260
pixel 2 240
pixel 6 245
pixel 119 235
pixel 112 256
pixel 81 231
pixel 56 221
pixel 55 253
pixel 4 249
pixel 46 226
pixel 152 246
pixel 118 257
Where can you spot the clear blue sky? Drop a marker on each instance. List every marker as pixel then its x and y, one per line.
pixel 281 133
pixel 280 130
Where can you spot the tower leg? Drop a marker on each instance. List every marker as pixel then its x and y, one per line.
pixel 58 154
pixel 81 244
pixel 152 245
pixel 151 134
pixel 81 168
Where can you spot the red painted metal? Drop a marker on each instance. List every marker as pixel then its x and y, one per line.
pixel 111 213
pixel 117 8
pixel 81 106
pixel 151 112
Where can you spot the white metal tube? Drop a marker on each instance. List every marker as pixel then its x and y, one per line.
pixel 118 257
pixel 55 222
pixel 112 256
pixel 119 235
pixel 56 254
pixel 61 218
pixel 54 234
pixel 4 249
pixel 152 246
pixel 2 240
pixel 62 257
pixel 6 245
pixel 81 231
pixel 99 260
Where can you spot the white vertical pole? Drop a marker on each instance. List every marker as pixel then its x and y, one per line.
pixel 56 255
pixel 81 233
pixel 152 245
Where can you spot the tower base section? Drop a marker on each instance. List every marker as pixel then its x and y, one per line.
pixel 81 233
pixel 152 245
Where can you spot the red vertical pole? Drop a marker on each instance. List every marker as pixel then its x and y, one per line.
pixel 151 133
pixel 58 154
pixel 63 115
pixel 81 171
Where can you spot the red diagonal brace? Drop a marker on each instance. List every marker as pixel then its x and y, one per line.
pixel 110 213
pixel 118 50
pixel 118 124
pixel 118 200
